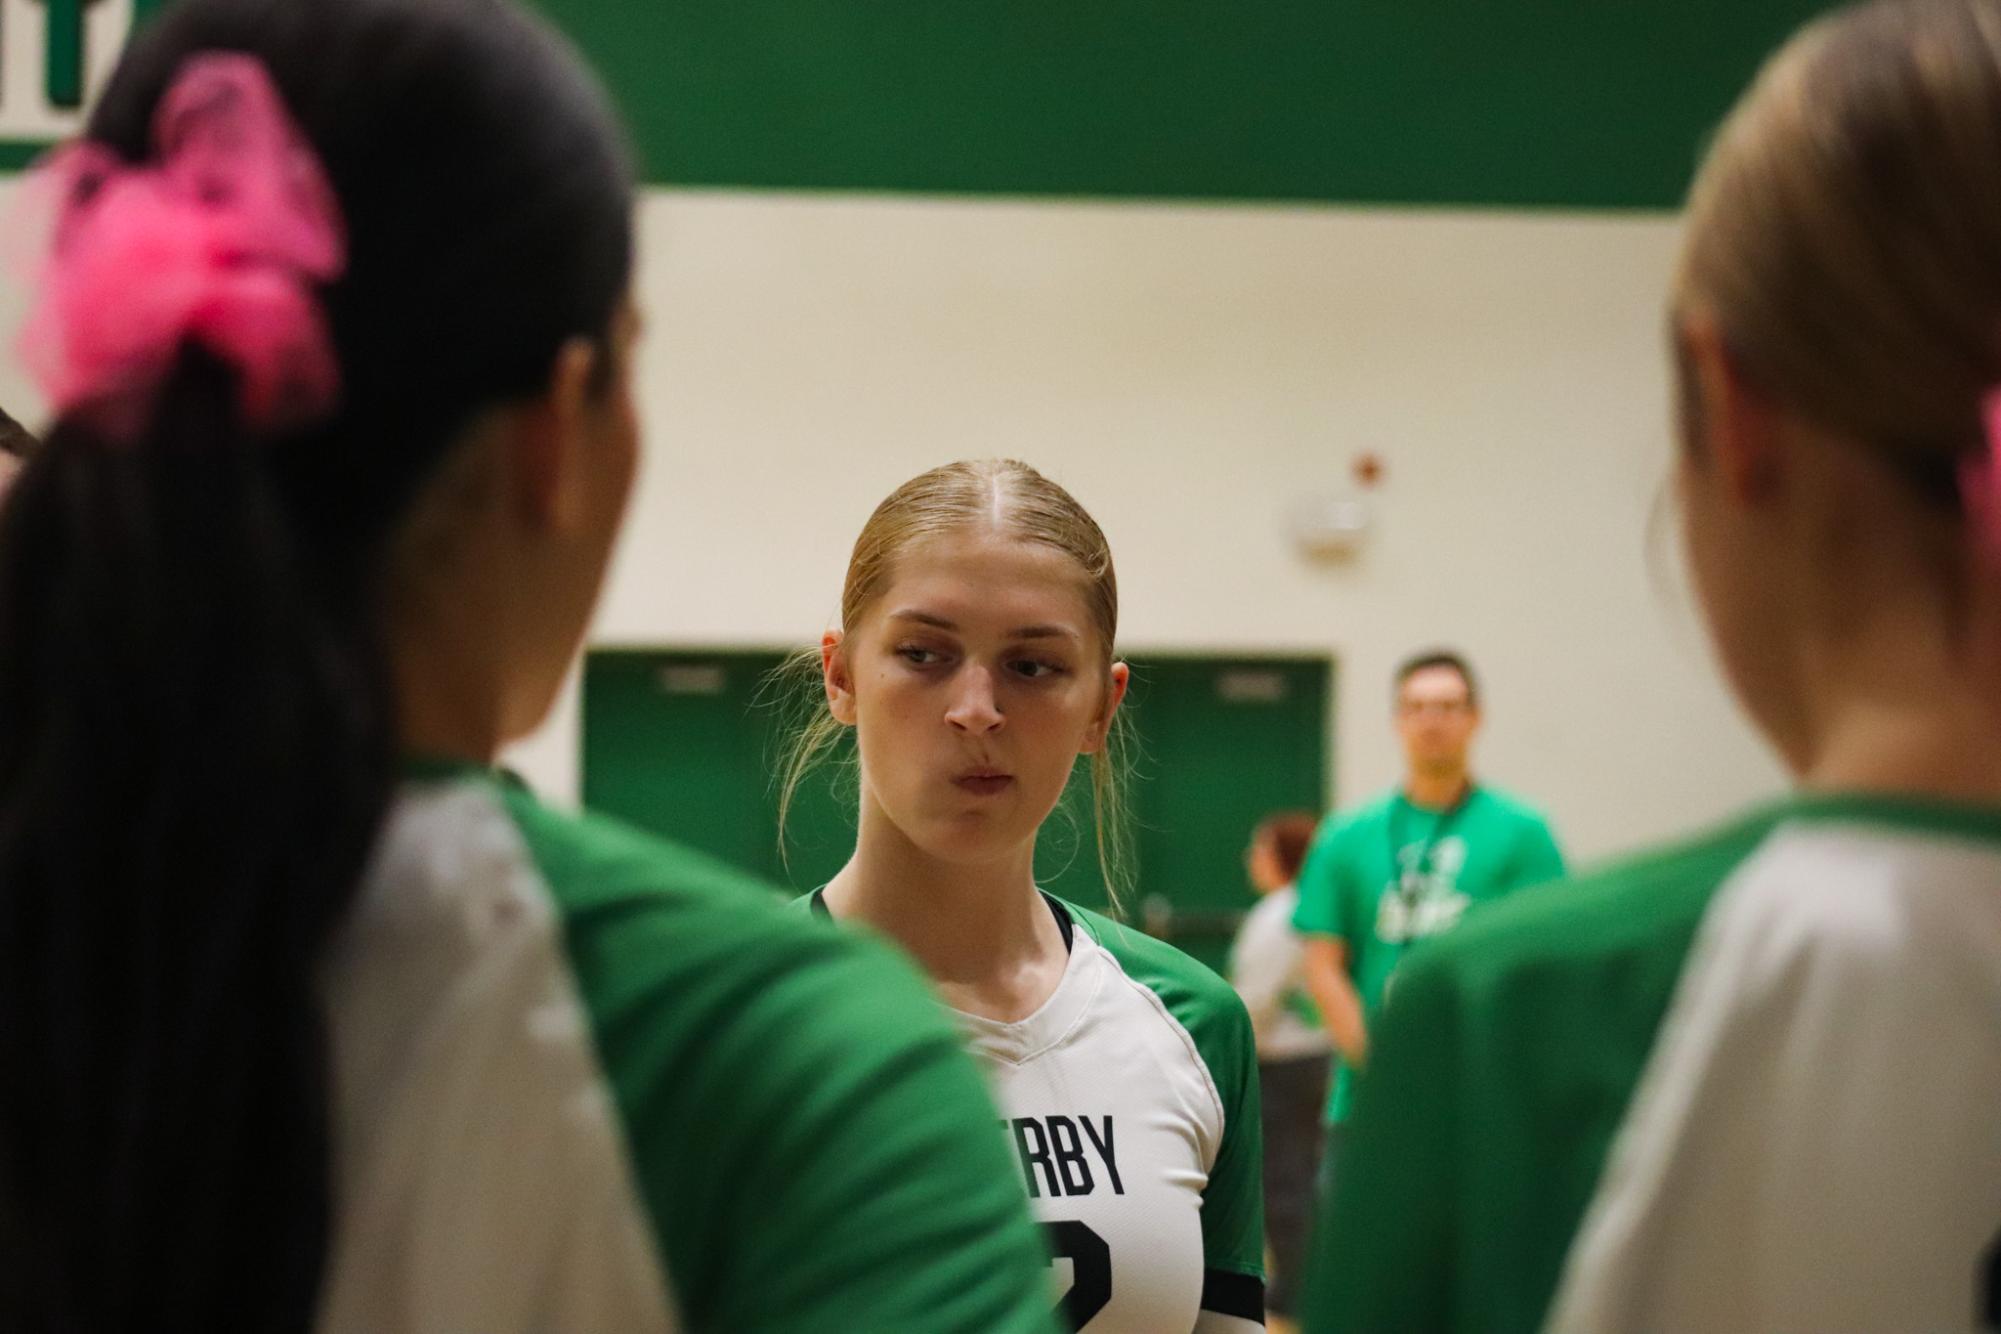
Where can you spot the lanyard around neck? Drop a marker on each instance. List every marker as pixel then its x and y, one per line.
pixel 1408 886
pixel 1407 880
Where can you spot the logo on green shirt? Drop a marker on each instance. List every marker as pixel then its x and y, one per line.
pixel 1424 898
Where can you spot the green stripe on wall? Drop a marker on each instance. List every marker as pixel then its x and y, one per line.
pixel 1514 103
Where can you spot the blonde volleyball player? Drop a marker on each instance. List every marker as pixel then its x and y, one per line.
pixel 1750 1082
pixel 975 663
pixel 310 1020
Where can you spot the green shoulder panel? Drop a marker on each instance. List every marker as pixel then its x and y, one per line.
pixel 1214 1015
pixel 1506 1055
pixel 1317 911
pixel 1328 873
pixel 813 1148
pixel 1369 821
pixel 1510 804
pixel 1536 858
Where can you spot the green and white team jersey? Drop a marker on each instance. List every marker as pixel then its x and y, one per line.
pixel 1131 1099
pixel 1747 1084
pixel 584 1081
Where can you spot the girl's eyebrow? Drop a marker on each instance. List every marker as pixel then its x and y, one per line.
pixel 1025 632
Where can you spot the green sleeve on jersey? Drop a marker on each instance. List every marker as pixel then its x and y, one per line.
pixel 1397 1177
pixel 1319 909
pixel 1233 1228
pixel 1505 1057
pixel 813 1148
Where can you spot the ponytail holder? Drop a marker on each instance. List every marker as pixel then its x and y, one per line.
pixel 223 238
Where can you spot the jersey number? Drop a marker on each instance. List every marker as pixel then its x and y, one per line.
pixel 1090 1268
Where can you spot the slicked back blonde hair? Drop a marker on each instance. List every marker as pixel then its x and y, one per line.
pixel 1845 229
pixel 1010 498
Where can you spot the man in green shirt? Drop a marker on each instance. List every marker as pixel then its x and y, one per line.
pixel 1409 864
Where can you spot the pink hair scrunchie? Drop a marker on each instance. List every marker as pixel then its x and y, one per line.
pixel 223 238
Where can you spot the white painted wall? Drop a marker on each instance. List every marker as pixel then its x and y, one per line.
pixel 1189 372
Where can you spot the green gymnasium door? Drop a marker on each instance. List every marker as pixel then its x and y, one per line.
pixel 1225 742
pixel 686 743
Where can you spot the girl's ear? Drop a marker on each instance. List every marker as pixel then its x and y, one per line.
pixel 837 678
pixel 549 439
pixel 1101 725
pixel 1737 428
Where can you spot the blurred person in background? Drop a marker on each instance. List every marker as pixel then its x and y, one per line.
pixel 1267 967
pixel 1409 865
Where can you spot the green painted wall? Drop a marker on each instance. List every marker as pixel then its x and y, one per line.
pixel 1511 103
pixel 1577 103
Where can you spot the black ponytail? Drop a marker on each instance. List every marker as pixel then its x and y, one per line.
pixel 196 752
pixel 197 732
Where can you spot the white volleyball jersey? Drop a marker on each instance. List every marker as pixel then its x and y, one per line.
pixel 1130 1097
pixel 585 1082
pixel 1815 1145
